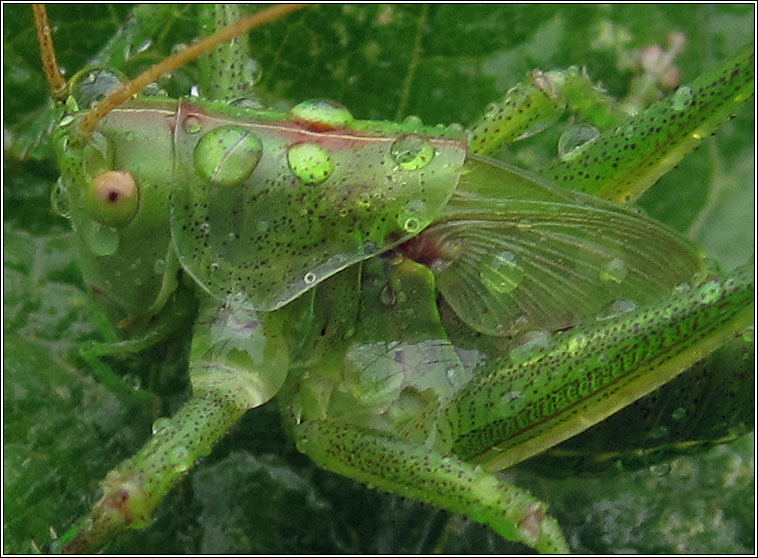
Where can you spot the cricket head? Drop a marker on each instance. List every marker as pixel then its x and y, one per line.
pixel 116 161
pixel 116 189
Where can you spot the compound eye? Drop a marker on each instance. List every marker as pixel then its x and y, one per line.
pixel 113 198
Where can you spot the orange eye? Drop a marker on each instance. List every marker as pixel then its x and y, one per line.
pixel 112 198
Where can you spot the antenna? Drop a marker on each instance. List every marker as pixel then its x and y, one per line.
pixel 58 84
pixel 59 87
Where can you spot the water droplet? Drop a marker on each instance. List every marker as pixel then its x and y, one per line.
pixel 252 71
pixel 180 459
pixel 621 306
pixel 614 271
pixel 144 46
pixel 679 413
pixel 90 86
pixel 248 103
pixel 681 288
pixel 54 546
pixel 530 345
pixel 310 162
pixel 412 225
pixel 227 155
pixel 412 152
pixel 387 296
pixel 159 266
pixel 309 278
pixel 178 47
pixel 413 120
pixel 154 90
pixel 492 110
pixel 511 396
pixel 133 381
pixel 59 199
pixel 349 332
pixel 396 258
pixel 192 124
pixel 321 115
pixel 502 274
pixel 161 424
pixel 682 98
pixel 213 267
pixel 413 216
pixel 102 240
pixel 748 334
pixel 262 225
pixel 574 138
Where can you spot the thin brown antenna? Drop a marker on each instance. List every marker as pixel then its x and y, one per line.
pixel 58 84
pixel 128 90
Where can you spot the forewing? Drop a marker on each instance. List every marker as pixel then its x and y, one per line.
pixel 512 253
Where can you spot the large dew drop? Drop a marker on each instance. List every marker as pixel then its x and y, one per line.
pixel 310 162
pixel 682 98
pixel 161 424
pixel 531 345
pixel 575 137
pixel 501 273
pixel 192 124
pixel 322 115
pixel 252 71
pixel 614 271
pixel 59 199
pixel 227 155
pixel 412 152
pixel 180 459
pixel 91 85
pixel 101 239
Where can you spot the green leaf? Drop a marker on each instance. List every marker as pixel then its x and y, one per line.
pixel 255 493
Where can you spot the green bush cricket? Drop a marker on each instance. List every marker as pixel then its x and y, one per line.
pixel 405 221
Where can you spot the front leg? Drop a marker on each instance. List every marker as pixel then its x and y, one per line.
pixel 238 361
pixel 390 463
